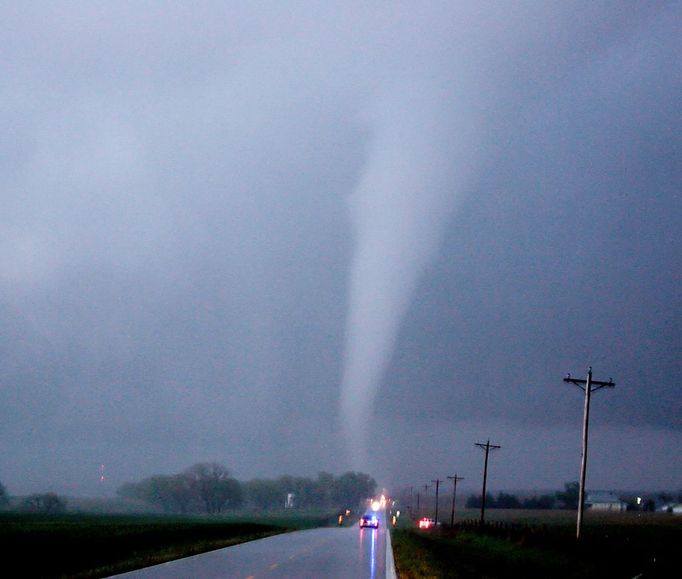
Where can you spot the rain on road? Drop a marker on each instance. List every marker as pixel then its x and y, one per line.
pixel 340 552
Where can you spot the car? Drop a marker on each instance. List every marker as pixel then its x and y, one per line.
pixel 426 523
pixel 369 521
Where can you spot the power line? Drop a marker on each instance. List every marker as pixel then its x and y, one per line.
pixel 487 447
pixel 437 481
pixel 426 488
pixel 454 480
pixel 588 386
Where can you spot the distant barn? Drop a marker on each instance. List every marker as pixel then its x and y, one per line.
pixel 605 502
pixel 674 508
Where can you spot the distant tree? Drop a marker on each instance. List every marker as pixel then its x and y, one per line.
pixel 541 502
pixel 649 505
pixel 4 497
pixel 49 503
pixel 263 494
pixel 474 501
pixel 181 492
pixel 569 497
pixel 324 489
pixel 665 497
pixel 209 486
pixel 306 489
pixel 229 494
pixel 287 484
pixel 129 490
pixel 213 484
pixel 137 491
pixel 149 490
pixel 507 501
pixel 172 493
pixel 157 490
pixel 351 488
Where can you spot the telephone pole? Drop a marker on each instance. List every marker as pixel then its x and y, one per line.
pixel 426 488
pixel 437 481
pixel 454 480
pixel 487 447
pixel 588 386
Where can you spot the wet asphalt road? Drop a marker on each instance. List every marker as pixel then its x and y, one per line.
pixel 343 552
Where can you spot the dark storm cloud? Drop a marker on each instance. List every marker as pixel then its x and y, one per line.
pixel 185 193
pixel 561 114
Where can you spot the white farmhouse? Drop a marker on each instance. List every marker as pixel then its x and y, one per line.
pixel 605 502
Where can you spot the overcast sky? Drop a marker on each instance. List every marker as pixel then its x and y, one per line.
pixel 300 236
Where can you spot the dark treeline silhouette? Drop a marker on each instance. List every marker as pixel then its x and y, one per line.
pixel 49 503
pixel 570 495
pixel 566 499
pixel 509 501
pixel 4 496
pixel 209 488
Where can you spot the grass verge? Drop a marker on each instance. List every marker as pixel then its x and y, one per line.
pixel 468 555
pixel 91 546
pixel 610 548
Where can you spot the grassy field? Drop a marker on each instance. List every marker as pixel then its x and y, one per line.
pixel 541 544
pixel 86 546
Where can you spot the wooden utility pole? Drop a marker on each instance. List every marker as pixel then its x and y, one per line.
pixel 487 447
pixel 454 480
pixel 426 494
pixel 437 481
pixel 588 386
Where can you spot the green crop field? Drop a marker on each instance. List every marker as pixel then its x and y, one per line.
pixel 542 544
pixel 85 546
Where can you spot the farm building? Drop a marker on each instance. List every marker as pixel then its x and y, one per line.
pixel 674 508
pixel 605 501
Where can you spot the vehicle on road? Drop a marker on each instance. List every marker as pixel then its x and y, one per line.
pixel 369 521
pixel 426 523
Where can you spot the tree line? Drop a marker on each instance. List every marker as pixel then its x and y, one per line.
pixel 567 499
pixel 36 503
pixel 210 488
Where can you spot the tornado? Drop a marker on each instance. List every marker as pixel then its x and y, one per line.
pixel 412 177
